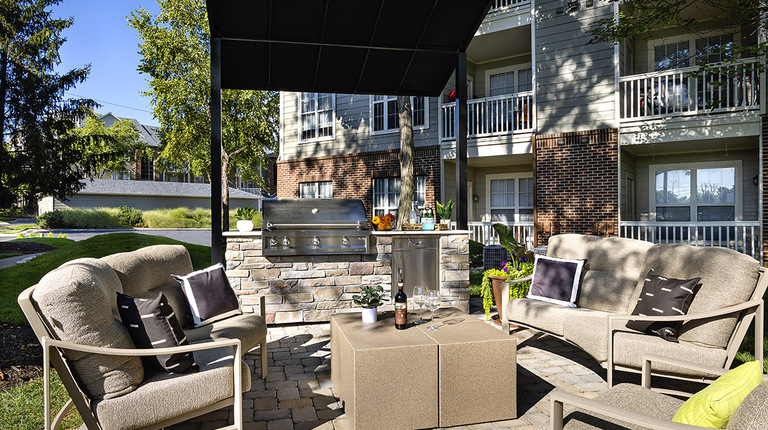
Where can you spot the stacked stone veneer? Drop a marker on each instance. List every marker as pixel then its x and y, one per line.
pixel 312 288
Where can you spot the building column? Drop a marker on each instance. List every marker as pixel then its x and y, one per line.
pixel 216 141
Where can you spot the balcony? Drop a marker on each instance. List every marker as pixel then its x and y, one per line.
pixel 742 236
pixel 505 5
pixel 731 87
pixel 491 116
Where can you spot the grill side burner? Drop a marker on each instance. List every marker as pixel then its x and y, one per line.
pixel 314 227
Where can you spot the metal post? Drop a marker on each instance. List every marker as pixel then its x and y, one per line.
pixel 462 197
pixel 216 141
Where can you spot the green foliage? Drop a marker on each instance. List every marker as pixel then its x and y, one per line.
pixel 246 213
pixel 507 240
pixel 113 146
pixel 370 296
pixel 13 280
pixel 444 212
pixel 510 271
pixel 21 406
pixel 98 218
pixel 475 253
pixel 475 280
pixel 130 217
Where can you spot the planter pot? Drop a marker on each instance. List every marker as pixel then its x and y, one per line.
pixel 244 225
pixel 496 282
pixel 369 315
pixel 446 222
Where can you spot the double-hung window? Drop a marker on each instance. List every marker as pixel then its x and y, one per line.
pixel 385 118
pixel 316 116
pixel 510 197
pixel 386 194
pixel 316 190
pixel 696 193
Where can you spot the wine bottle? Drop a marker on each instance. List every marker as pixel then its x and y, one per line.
pixel 401 304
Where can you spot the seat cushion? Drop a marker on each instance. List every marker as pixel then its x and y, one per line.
pixel 626 396
pixel 78 301
pixel 166 395
pixel 727 277
pixel 606 291
pixel 250 328
pixel 147 271
pixel 543 316
pixel 752 413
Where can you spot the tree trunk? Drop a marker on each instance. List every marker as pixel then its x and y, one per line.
pixel 224 190
pixel 407 180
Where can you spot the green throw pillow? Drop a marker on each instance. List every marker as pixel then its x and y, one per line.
pixel 713 406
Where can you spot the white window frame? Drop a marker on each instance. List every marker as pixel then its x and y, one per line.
pixel 317 122
pixel 425 126
pixel 390 209
pixel 316 190
pixel 515 68
pixel 690 38
pixel 655 168
pixel 517 207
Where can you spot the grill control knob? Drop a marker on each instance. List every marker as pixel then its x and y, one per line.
pixel 315 241
pixel 345 241
pixel 286 241
pixel 273 242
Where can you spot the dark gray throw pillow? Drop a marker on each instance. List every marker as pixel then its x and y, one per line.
pixel 209 295
pixel 556 280
pixel 662 296
pixel 153 324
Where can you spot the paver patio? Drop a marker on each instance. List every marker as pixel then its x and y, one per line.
pixel 298 393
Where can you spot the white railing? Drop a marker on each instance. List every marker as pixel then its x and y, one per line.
pixel 742 236
pixel 491 116
pixel 484 233
pixel 499 5
pixel 730 87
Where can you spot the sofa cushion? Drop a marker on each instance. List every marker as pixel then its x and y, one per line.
pixel 250 328
pixel 153 324
pixel 605 291
pixel 556 280
pixel 147 271
pixel 165 395
pixel 209 295
pixel 752 413
pixel 626 396
pixel 662 296
pixel 544 316
pixel 77 300
pixel 728 278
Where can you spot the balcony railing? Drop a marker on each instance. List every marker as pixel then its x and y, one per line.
pixel 730 87
pixel 484 233
pixel 491 116
pixel 742 236
pixel 499 5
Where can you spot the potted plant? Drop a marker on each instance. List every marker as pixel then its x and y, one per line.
pixel 370 298
pixel 244 217
pixel 444 212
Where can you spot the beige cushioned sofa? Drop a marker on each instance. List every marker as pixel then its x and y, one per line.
pixel 73 311
pixel 730 296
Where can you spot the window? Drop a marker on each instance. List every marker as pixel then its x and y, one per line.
pixel 708 192
pixel 316 116
pixel 316 190
pixel 510 197
pixel 671 56
pixel 678 54
pixel 385 118
pixel 386 194
pixel 147 168
pixel 509 80
pixel 710 49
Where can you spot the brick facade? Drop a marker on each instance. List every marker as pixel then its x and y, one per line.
pixel 576 178
pixel 352 174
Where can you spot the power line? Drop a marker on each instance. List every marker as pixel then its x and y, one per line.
pixel 109 103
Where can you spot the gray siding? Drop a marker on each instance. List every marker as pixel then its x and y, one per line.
pixel 145 202
pixel 575 81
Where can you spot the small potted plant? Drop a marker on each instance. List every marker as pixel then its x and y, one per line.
pixel 244 217
pixel 444 212
pixel 370 298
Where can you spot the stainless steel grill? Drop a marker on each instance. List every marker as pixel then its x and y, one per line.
pixel 314 227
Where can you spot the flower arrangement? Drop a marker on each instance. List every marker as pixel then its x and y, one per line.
pixel 383 222
pixel 514 268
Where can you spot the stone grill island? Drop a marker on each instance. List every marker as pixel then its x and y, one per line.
pixel 311 288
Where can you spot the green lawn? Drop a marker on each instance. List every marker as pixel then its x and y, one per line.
pixel 13 280
pixel 15 228
pixel 21 407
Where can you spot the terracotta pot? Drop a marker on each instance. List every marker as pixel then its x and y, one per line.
pixel 496 282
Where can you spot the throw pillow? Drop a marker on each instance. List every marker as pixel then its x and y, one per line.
pixel 713 406
pixel 556 280
pixel 153 324
pixel 663 296
pixel 209 295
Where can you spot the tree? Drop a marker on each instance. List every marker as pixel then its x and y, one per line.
pixel 407 174
pixel 176 55
pixel 113 145
pixel 40 155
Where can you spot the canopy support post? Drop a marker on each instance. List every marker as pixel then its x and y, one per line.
pixel 216 142
pixel 462 199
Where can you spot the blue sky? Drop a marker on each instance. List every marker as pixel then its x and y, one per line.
pixel 100 36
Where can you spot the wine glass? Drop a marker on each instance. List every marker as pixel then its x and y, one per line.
pixel 433 304
pixel 419 298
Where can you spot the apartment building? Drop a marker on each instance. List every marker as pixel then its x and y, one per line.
pixel 564 136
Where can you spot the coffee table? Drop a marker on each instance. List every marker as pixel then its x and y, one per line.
pixel 463 373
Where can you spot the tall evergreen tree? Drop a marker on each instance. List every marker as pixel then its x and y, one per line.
pixel 40 155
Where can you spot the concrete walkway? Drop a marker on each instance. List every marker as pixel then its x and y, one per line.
pixel 298 393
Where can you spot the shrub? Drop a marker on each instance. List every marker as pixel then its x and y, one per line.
pixel 101 218
pixel 245 213
pixel 475 253
pixel 130 217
